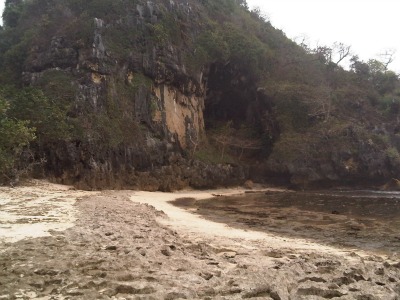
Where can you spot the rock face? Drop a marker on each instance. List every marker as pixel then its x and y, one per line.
pixel 354 156
pixel 144 84
pixel 140 112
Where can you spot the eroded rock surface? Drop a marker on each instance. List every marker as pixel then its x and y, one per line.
pixel 118 250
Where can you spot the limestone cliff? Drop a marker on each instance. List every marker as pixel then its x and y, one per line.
pixel 137 111
pixel 164 94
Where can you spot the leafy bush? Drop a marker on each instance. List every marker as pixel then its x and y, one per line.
pixel 31 106
pixel 393 156
pixel 14 136
pixel 12 13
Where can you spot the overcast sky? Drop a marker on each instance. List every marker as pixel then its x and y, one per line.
pixel 370 26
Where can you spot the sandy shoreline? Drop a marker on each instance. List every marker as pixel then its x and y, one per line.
pixel 119 245
pixel 195 226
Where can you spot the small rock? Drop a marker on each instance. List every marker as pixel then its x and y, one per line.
pixel 380 271
pixel 262 291
pixel 345 280
pixel 56 281
pixel 108 292
pixel 249 184
pixel 142 252
pixel 333 286
pixel 43 272
pixel 396 265
pixel 128 289
pixel 111 248
pixel 175 295
pixel 125 277
pixel 316 291
pixel 88 285
pixel 228 254
pixel 207 291
pixel 231 291
pixel 206 276
pixel 274 254
pixel 166 251
pixel 367 297
pixel 217 273
pixel 314 279
pixel 37 284
pixel 74 292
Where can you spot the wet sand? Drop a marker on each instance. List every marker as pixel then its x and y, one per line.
pixel 360 220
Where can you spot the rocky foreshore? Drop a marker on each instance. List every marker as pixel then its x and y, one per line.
pixel 116 248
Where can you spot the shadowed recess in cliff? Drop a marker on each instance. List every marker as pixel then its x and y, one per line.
pixel 237 113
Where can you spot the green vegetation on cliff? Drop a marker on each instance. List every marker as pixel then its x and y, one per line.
pixel 14 136
pixel 83 77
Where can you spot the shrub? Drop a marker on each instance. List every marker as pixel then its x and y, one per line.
pixel 32 107
pixel 14 136
pixel 394 157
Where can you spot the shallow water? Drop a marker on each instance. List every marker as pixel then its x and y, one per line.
pixel 364 220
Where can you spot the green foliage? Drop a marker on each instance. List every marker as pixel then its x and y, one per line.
pixel 210 47
pixel 109 130
pixel 166 31
pixel 102 9
pixel 210 154
pixel 291 104
pixel 389 104
pixel 59 85
pixel 140 80
pixel 14 136
pixel 119 40
pixel 82 29
pixel 393 155
pixel 32 106
pixel 221 8
pixel 114 125
pixel 246 51
pixel 12 62
pixel 12 13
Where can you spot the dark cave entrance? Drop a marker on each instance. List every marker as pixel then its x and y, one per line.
pixel 233 99
pixel 230 97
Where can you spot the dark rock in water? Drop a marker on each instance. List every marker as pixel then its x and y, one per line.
pixel 392 185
